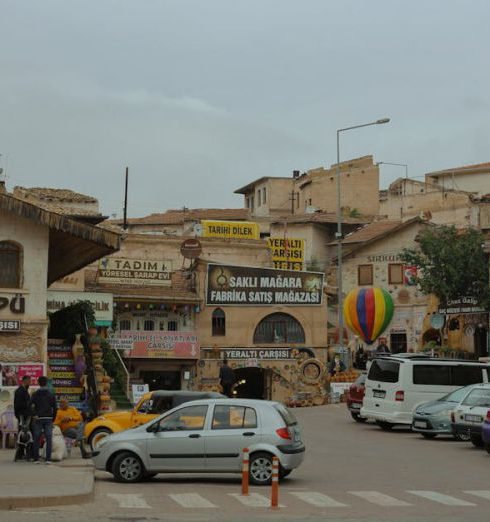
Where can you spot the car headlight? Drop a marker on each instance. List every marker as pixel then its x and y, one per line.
pixel 101 442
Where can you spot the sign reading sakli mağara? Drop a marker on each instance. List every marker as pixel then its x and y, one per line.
pixel 243 285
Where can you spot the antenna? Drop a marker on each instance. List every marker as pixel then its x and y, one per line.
pixel 125 221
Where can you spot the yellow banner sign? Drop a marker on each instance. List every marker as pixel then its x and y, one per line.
pixel 230 229
pixel 287 253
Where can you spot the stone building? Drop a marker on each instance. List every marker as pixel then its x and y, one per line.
pixel 470 178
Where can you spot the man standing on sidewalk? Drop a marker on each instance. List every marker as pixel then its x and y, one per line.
pixel 43 404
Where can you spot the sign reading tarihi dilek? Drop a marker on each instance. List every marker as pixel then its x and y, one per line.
pixel 230 229
pixel 287 253
pixel 244 285
pixel 123 270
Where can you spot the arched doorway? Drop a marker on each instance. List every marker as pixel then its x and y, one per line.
pixel 279 328
pixel 431 335
pixel 480 341
pixel 253 383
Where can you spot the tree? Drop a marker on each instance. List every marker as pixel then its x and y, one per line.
pixel 451 263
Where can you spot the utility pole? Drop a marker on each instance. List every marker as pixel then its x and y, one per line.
pixel 125 221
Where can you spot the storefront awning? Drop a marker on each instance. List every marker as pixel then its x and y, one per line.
pixel 72 245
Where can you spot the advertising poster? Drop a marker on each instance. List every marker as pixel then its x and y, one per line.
pixel 157 344
pixel 287 253
pixel 242 285
pixel 230 229
pixel 11 373
pixel 138 390
pixel 122 270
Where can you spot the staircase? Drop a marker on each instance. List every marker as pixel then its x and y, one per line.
pixel 61 371
pixel 119 396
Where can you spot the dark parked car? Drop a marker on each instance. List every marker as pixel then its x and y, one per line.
pixel 355 397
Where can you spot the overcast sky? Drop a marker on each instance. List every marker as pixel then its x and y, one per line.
pixel 200 97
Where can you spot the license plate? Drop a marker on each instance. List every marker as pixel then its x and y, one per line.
pixel 380 394
pixel 420 424
pixel 355 406
pixel 473 418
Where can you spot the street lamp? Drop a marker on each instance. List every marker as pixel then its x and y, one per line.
pixel 338 235
pixel 396 165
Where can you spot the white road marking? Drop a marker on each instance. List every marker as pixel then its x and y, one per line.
pixel 129 500
pixel 191 500
pixel 375 497
pixel 441 498
pixel 253 500
pixel 317 499
pixel 479 493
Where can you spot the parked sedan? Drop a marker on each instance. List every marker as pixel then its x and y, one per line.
pixel 434 418
pixel 355 397
pixel 206 436
pixel 468 416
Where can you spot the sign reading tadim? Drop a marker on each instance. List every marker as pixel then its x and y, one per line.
pixel 134 271
pixel 242 285
pixel 287 253
pixel 230 229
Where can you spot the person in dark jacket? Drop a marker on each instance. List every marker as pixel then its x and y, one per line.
pixel 22 399
pixel 43 406
pixel 227 378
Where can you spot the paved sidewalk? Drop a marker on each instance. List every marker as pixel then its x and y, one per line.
pixel 25 484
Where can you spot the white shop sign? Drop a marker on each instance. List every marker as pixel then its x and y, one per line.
pixel 138 390
pixel 102 303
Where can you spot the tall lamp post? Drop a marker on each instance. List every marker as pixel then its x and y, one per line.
pixel 396 165
pixel 338 235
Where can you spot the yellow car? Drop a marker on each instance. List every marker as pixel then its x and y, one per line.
pixel 149 406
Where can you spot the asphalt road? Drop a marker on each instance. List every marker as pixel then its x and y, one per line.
pixel 351 472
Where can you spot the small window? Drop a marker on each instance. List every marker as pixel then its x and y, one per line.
pixel 234 417
pixel 384 371
pixel 259 197
pixel 148 326
pixel 10 261
pixel 365 275
pixel 279 328
pixel 432 374
pixel 124 324
pixel 189 418
pixel 172 326
pixel 218 322
pixel 395 274
pixel 264 197
pixel 252 202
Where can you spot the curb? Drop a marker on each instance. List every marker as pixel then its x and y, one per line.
pixel 86 494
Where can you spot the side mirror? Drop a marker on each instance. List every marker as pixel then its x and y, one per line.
pixel 153 428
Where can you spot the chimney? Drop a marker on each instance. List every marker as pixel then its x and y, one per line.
pixel 3 189
pixel 295 174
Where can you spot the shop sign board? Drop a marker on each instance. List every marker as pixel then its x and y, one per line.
pixel 11 373
pixel 287 253
pixel 463 305
pixel 191 248
pixel 123 270
pixel 138 390
pixel 230 229
pixel 102 303
pixel 16 304
pixel 9 326
pixel 243 285
pixel 260 354
pixel 158 344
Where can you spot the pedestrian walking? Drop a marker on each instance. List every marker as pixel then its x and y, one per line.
pixel 23 446
pixel 43 405
pixel 227 378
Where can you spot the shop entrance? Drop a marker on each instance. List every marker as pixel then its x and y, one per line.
pixel 480 340
pixel 164 380
pixel 253 383
pixel 398 342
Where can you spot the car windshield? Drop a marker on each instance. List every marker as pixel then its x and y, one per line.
pixel 455 396
pixel 478 398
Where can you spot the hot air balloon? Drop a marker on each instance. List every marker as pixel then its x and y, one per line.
pixel 368 311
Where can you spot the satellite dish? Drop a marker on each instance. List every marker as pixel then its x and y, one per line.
pixel 437 321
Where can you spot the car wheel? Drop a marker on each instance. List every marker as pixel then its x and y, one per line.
pixel 357 417
pixel 260 468
pixel 429 435
pixel 127 467
pixel 463 437
pixel 476 441
pixel 96 436
pixel 385 426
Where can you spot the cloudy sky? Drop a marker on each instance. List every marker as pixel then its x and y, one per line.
pixel 199 97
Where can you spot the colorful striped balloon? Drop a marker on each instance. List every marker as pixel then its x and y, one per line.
pixel 368 311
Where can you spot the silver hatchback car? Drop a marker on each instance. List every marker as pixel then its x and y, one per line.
pixel 206 436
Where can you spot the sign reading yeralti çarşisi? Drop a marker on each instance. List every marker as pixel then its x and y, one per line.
pixel 129 271
pixel 230 229
pixel 258 353
pixel 243 285
pixel 287 253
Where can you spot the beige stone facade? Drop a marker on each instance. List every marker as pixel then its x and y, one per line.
pixel 470 178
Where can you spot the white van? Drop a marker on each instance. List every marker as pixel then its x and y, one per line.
pixel 397 384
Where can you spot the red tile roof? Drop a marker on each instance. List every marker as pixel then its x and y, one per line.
pixel 371 231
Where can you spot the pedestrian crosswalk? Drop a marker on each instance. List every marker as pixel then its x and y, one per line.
pixel 291 498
